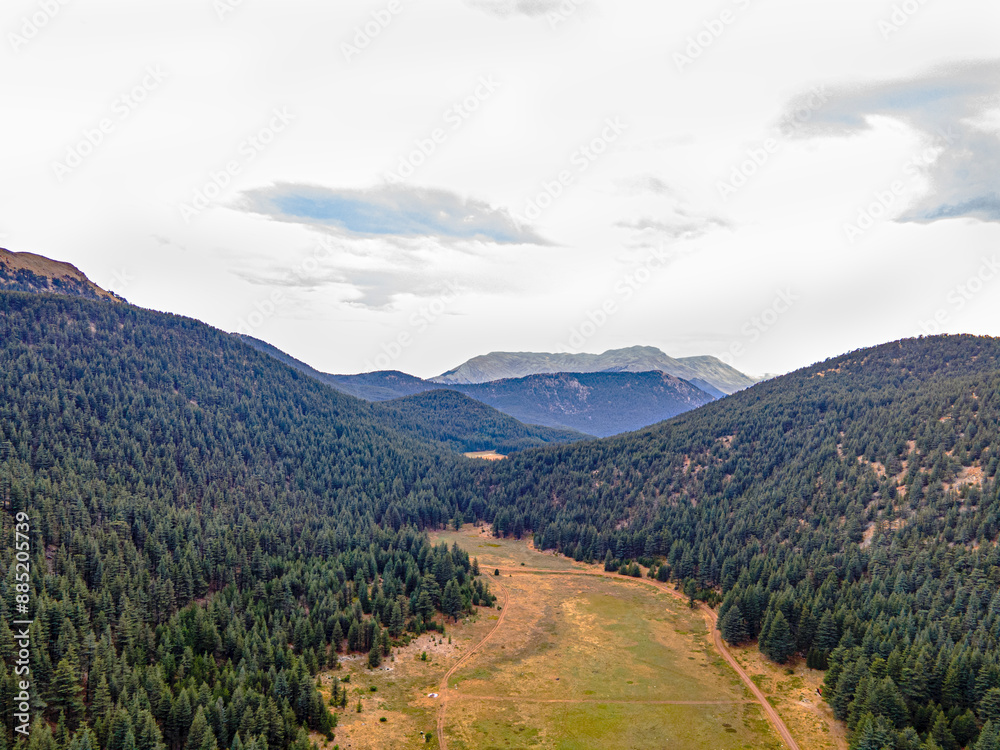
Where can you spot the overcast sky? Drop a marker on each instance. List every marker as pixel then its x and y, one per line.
pixel 406 184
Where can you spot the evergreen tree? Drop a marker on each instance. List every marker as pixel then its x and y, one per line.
pixel 778 645
pixel 989 706
pixel 200 736
pixel 941 733
pixel 734 627
pixel 451 601
pixel 65 692
pixel 989 737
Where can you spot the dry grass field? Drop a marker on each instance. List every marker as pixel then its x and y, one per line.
pixel 577 662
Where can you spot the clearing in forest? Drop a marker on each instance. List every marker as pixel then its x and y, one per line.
pixel 585 662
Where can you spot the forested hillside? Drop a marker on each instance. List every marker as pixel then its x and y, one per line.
pixel 848 511
pixel 466 425
pixel 209 529
pixel 596 403
pixel 424 410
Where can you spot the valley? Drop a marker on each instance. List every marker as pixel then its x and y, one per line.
pixel 218 529
pixel 574 657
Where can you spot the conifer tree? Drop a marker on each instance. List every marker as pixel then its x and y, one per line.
pixel 734 627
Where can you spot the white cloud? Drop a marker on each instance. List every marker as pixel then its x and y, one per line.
pixel 954 107
pixel 117 217
pixel 508 8
pixel 389 210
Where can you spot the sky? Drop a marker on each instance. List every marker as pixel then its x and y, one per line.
pixel 405 185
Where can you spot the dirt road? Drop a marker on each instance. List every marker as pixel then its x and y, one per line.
pixel 710 618
pixel 443 693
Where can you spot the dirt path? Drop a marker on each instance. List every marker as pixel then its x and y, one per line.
pixel 598 701
pixel 443 687
pixel 710 618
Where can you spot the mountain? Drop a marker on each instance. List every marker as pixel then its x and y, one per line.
pixel 467 425
pixel 27 272
pixel 381 386
pixel 206 529
pixel 506 365
pixel 573 405
pixel 847 514
pixel 600 403
pixel 441 416
pixel 208 523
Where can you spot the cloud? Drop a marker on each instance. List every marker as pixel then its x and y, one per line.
pixel 508 8
pixel 389 210
pixel 645 184
pixel 680 226
pixel 665 215
pixel 956 108
pixel 356 272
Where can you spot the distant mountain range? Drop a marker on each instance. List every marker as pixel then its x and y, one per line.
pixel 595 403
pixel 710 374
pixel 431 412
pixel 27 272
pixel 598 403
pixel 501 401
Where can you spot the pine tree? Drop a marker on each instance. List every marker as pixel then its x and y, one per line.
pixel 353 636
pixel 827 633
pixel 989 706
pixel 989 737
pixel 425 605
pixel 451 602
pixel 941 733
pixel 200 735
pixel 65 692
pixel 396 621
pixel 734 627
pixel 780 643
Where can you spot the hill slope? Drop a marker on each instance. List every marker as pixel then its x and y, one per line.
pixel 506 365
pixel 465 424
pixel 600 403
pixel 208 528
pixel 573 405
pixel 849 511
pixel 27 272
pixel 449 419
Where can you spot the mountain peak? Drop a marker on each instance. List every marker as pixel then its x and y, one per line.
pixel 486 368
pixel 28 272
